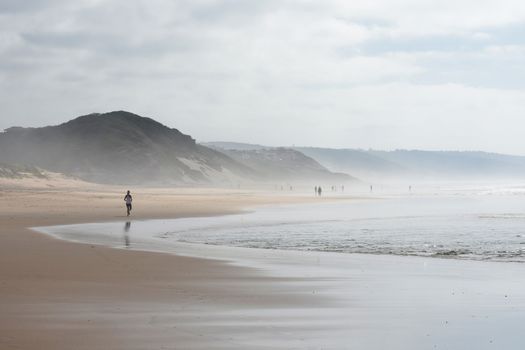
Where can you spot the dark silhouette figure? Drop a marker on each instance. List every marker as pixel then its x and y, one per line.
pixel 128 199
pixel 371 188
pixel 127 226
pixel 319 191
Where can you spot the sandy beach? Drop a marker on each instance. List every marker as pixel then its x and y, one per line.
pixel 61 295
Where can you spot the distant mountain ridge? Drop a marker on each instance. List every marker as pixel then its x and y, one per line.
pixel 124 148
pixel 369 165
pixel 420 165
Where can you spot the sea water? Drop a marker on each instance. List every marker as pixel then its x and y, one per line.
pixel 483 226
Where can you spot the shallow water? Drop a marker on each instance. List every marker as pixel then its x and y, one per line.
pixel 477 227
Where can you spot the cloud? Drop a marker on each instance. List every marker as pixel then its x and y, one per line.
pixel 26 6
pixel 333 73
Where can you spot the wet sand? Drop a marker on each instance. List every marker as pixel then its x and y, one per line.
pixel 61 295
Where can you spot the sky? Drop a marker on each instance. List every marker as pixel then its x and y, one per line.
pixel 383 74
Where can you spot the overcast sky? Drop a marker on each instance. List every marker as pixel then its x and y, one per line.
pixel 383 74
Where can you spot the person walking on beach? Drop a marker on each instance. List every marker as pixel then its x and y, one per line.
pixel 319 191
pixel 128 199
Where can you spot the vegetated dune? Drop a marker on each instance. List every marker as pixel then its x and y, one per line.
pixel 121 147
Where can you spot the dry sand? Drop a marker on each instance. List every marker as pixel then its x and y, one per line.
pixel 60 295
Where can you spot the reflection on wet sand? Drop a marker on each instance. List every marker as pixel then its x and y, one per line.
pixel 127 227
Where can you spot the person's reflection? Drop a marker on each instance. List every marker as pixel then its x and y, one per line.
pixel 127 226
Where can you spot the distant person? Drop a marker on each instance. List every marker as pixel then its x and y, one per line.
pixel 319 191
pixel 371 188
pixel 128 199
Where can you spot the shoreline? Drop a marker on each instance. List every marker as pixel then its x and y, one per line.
pixel 196 249
pixel 349 226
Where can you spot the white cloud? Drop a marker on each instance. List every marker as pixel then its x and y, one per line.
pixel 385 74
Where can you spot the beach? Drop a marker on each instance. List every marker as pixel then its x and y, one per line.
pixel 61 295
pixel 57 294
